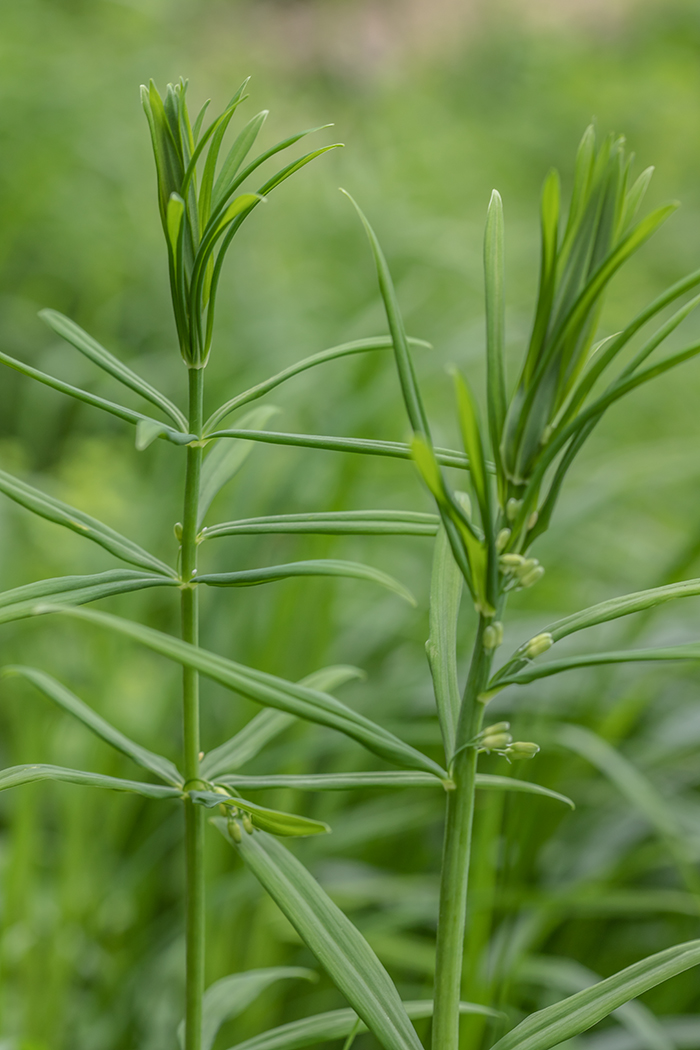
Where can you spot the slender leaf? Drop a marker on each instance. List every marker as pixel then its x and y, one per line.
pixel 235 157
pixel 535 671
pixel 229 997
pixel 268 724
pixel 67 700
pixel 317 567
pixel 336 523
pixel 16 775
pixel 357 346
pixel 274 821
pixel 494 286
pixel 441 647
pixel 337 1024
pixel 492 782
pixel 83 342
pixel 332 781
pixel 337 944
pixel 226 459
pixel 264 688
pixel 546 1028
pixel 176 436
pixel 395 449
pixel 20 602
pixel 63 514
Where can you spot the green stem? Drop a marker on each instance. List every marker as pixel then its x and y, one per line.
pixel 455 861
pixel 194 815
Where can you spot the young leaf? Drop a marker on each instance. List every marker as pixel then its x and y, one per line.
pixel 333 523
pixel 568 1018
pixel 339 947
pixel 63 514
pixel 264 688
pixel 226 458
pixel 14 776
pixel 268 724
pixel 83 342
pixel 235 157
pixel 229 997
pixel 318 567
pixel 290 825
pixel 494 287
pixel 57 692
pixel 441 647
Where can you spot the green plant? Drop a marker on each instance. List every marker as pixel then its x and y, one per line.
pixel 533 441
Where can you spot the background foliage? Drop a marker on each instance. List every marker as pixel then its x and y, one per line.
pixel 437 103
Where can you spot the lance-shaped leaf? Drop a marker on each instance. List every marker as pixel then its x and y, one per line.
pixel 339 947
pixel 268 724
pixel 338 1024
pixel 209 172
pixel 16 775
pixel 441 647
pixel 357 346
pixel 333 781
pixel 227 457
pixel 494 288
pixel 535 671
pixel 333 523
pixel 274 821
pixel 315 567
pixel 128 414
pixel 235 157
pixel 71 703
pixel 85 525
pixel 568 1018
pixel 448 457
pixel 20 602
pixel 88 346
pixel 492 782
pixel 229 997
pixel 264 688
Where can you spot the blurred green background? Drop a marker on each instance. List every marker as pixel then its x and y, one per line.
pixel 437 101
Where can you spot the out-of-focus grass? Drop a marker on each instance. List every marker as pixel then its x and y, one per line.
pixel 91 948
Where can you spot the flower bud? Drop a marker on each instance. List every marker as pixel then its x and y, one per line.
pixel 532 577
pixel 532 520
pixel 497 727
pixel 496 741
pixel 234 830
pixel 493 635
pixel 510 562
pixel 177 529
pixel 537 645
pixel 247 822
pixel 522 749
pixel 502 539
pixel 512 508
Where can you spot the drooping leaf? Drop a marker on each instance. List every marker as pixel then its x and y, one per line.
pixel 263 688
pixel 492 782
pixel 67 700
pixel 88 346
pixel 441 647
pixel 27 774
pixel 229 997
pixel 268 724
pixel 316 567
pixel 337 944
pixel 274 821
pixel 85 525
pixel 568 1018
pixel 227 457
pixel 335 523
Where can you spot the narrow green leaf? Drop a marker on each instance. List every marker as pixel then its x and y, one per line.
pixel 357 346
pixel 331 781
pixel 147 430
pixel 407 378
pixel 14 776
pixel 176 436
pixel 568 1018
pixel 274 821
pixel 227 457
pixel 67 700
pixel 635 197
pixel 212 157
pixel 441 647
pixel 337 1024
pixel 535 671
pixel 264 688
pixel 337 944
pixel 173 216
pixel 88 346
pixel 473 446
pixel 229 997
pixel 268 724
pixel 63 514
pixel 395 449
pixel 494 287
pixel 492 782
pixel 333 523
pixel 235 157
pixel 316 567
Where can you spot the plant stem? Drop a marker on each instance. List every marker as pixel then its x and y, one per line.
pixel 455 860
pixel 194 815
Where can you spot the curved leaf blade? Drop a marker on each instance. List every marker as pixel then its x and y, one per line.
pixel 226 459
pixel 274 821
pixel 20 602
pixel 332 523
pixel 492 782
pixel 14 776
pixel 441 647
pixel 535 671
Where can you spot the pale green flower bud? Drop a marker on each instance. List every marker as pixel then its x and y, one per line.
pixel 510 562
pixel 538 645
pixel 532 577
pixel 521 749
pixel 234 830
pixel 497 727
pixel 502 539
pixel 496 741
pixel 247 822
pixel 177 529
pixel 493 635
pixel 512 508
pixel 532 520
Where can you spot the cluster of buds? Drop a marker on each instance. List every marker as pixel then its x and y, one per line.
pixel 234 815
pixel 523 571
pixel 497 738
